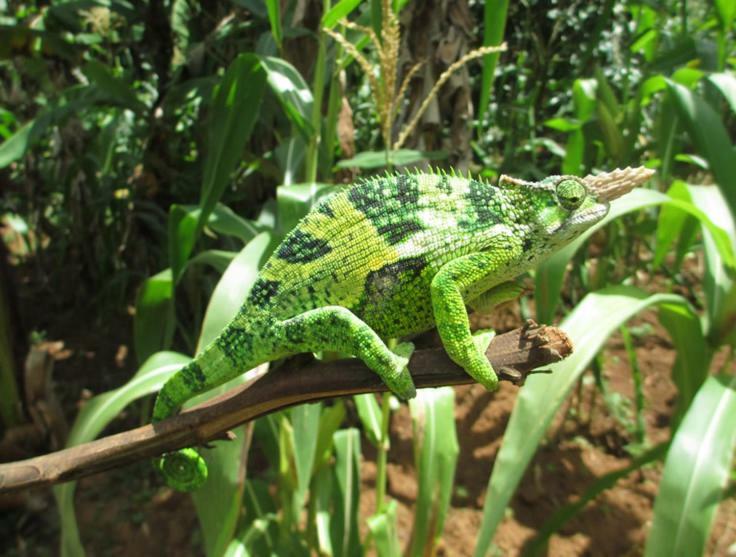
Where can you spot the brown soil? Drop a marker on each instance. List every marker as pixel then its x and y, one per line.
pixel 127 513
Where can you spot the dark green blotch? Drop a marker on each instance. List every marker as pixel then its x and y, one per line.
pixel 235 342
pixel 444 184
pixel 382 283
pixel 407 190
pixel 325 209
pixel 263 291
pixel 377 206
pixel 301 247
pixel 193 377
pixel 481 198
pixel 396 232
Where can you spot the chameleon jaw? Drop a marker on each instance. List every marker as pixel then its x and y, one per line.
pixel 612 185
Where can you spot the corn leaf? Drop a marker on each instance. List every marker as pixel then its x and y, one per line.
pixel 543 395
pixel 96 414
pixel 696 471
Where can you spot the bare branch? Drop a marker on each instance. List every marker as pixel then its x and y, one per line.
pixel 513 355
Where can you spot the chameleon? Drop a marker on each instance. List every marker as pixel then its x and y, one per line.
pixel 386 258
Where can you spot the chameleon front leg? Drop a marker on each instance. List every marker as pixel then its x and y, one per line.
pixel 448 286
pixel 335 328
pixel 499 294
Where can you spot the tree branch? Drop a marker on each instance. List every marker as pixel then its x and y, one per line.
pixel 513 355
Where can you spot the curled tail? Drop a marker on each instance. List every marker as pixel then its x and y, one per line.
pixel 229 355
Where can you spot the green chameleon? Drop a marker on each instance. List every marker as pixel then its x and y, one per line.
pixel 390 257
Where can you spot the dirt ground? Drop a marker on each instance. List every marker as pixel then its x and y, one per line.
pixel 127 512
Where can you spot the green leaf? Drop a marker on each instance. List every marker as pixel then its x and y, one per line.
pixel 696 472
pixel 329 423
pixel 436 450
pixel 574 152
pixel 693 354
pixel 217 259
pixel 495 13
pixel 183 222
pixel 16 146
pixel 543 395
pixel 345 535
pixel 708 132
pixel 292 91
pixel 235 109
pixel 95 415
pixel 305 419
pixel 154 323
pixel 726 84
pixel 584 100
pixel 385 531
pixel 233 288
pixel 112 87
pixel 296 200
pixel 370 416
pixel 550 274
pixel 720 292
pixel 377 159
pixel 674 226
pixel 726 10
pixel 338 12
pixel 563 124
pixel 225 221
pixel 323 490
pixel 218 501
pixel 274 18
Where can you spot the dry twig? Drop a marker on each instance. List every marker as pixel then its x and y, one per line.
pixel 513 354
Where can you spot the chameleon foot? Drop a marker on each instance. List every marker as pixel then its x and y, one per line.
pixel 399 380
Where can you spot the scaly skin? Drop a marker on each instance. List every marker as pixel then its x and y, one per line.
pixel 390 257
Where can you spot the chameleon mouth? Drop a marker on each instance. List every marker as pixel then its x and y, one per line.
pixel 611 185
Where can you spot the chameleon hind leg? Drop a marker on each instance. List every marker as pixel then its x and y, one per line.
pixel 337 329
pixel 449 285
pixel 499 294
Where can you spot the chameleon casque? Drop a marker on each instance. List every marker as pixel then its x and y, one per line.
pixel 390 257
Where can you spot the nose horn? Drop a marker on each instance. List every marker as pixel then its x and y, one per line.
pixel 611 185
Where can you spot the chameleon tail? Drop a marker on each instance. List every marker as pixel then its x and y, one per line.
pixel 223 360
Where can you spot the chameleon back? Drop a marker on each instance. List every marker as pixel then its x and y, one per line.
pixel 374 249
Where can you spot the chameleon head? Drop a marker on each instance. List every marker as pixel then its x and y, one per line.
pixel 568 205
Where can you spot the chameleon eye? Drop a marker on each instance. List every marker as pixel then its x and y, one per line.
pixel 571 193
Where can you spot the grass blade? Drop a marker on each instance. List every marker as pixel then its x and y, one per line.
pixel 233 288
pixel 550 274
pixel 235 109
pixel 708 132
pixel 292 92
pixel 384 530
pixel 566 513
pixel 94 417
pixel 436 448
pixel 494 26
pixel 274 18
pixel 696 472
pixel 370 416
pixel 543 395
pixel 345 540
pixel 337 12
pixel 218 501
pixel 153 327
pixel 720 293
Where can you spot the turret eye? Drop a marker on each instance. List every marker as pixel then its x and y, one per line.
pixel 570 193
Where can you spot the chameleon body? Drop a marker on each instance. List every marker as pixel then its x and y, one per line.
pixel 386 258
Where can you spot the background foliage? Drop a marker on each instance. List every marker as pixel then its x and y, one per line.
pixel 153 153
